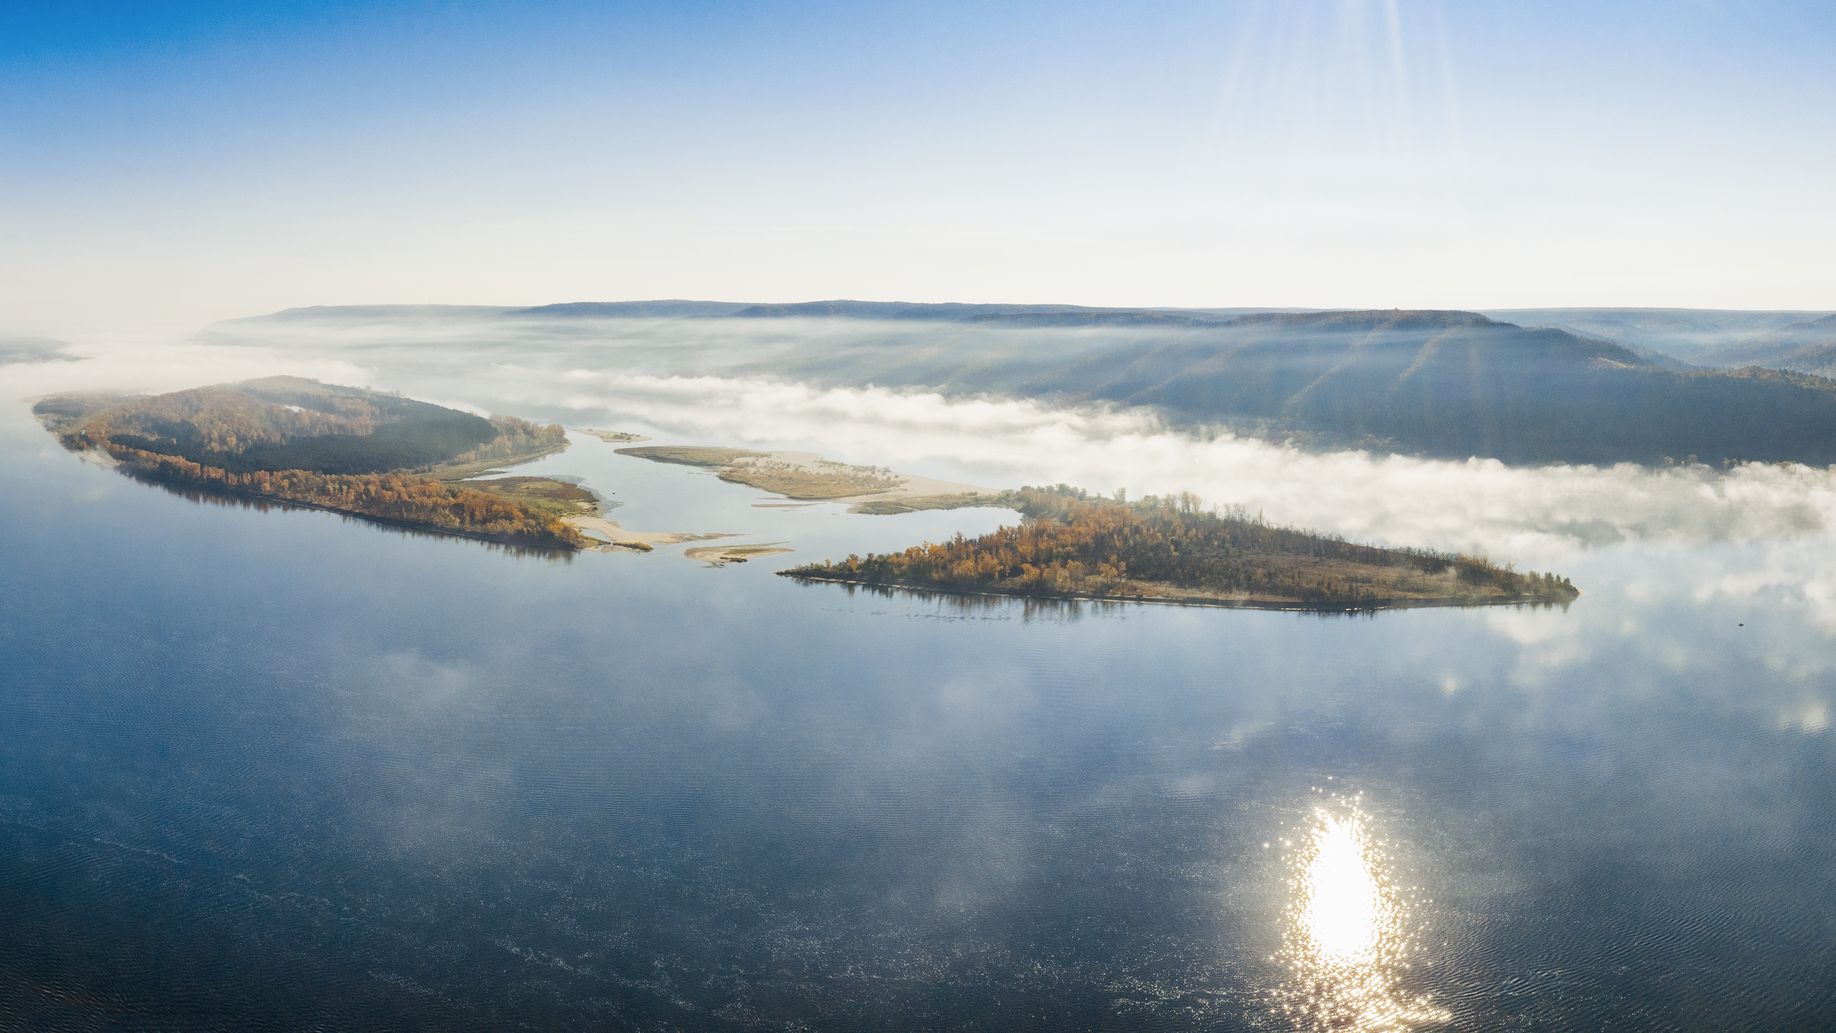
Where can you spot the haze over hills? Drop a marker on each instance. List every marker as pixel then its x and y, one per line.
pixel 1447 384
pixel 675 308
pixel 32 349
pixel 1709 337
pixel 1806 347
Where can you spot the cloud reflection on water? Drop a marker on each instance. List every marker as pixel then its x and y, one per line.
pixel 1542 716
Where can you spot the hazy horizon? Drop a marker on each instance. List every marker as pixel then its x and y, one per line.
pixel 155 332
pixel 182 166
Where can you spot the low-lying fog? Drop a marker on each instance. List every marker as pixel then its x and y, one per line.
pixel 1692 535
pixel 623 378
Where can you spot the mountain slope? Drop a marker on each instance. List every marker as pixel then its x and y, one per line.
pixel 1692 335
pixel 1437 383
pixel 1447 384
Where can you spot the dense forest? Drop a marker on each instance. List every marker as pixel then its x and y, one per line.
pixel 413 500
pixel 1071 544
pixel 288 423
pixel 513 439
pixel 360 452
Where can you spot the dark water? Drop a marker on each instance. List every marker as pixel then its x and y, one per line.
pixel 285 771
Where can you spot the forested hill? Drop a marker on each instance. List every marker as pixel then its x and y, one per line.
pixel 286 423
pixel 373 455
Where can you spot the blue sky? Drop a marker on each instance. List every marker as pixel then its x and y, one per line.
pixel 165 164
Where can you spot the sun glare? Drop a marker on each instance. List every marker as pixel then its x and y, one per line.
pixel 1348 936
pixel 1345 907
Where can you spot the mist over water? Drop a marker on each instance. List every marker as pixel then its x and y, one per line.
pixel 628 789
pixel 1687 535
pixel 626 375
pixel 690 379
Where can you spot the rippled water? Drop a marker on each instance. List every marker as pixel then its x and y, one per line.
pixel 280 770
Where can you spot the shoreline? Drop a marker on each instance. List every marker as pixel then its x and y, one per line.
pixel 1216 603
pixel 722 555
pixel 616 536
pixel 435 530
pixel 478 468
pixel 809 478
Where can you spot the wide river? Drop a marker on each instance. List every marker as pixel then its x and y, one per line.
pixel 282 770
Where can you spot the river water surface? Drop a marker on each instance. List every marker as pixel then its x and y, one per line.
pixel 283 770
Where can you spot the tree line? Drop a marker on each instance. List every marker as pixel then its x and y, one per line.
pixel 410 499
pixel 1074 544
pixel 262 426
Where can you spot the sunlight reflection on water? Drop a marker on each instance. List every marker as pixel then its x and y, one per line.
pixel 1349 932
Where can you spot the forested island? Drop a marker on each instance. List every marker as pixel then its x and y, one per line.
pixel 363 453
pixel 413 464
pixel 1073 545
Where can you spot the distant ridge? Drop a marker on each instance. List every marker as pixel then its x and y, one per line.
pixel 1645 327
pixel 680 308
pixel 1444 383
pixel 663 309
pixel 951 312
pixel 988 314
pixel 945 312
pixel 1805 347
pixel 1693 336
